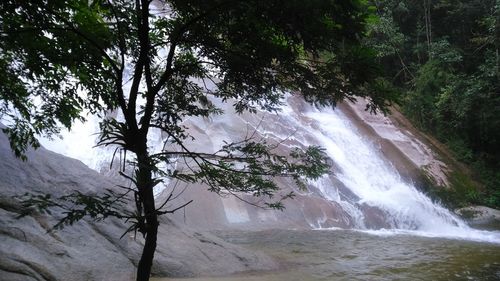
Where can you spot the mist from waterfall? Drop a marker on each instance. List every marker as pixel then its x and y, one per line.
pixel 359 166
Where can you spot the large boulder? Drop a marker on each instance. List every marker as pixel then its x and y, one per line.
pixel 480 216
pixel 29 250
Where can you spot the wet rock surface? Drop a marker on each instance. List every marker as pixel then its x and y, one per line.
pixel 93 251
pixel 480 216
pixel 401 143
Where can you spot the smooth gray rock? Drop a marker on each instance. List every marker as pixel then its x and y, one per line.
pixel 403 145
pixel 479 215
pixel 93 251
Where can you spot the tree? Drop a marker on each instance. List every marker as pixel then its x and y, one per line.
pixel 452 87
pixel 151 62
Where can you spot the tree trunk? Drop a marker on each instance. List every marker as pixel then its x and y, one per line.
pixel 146 262
pixel 496 37
pixel 145 187
pixel 428 27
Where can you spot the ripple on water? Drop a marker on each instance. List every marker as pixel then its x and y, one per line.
pixel 353 255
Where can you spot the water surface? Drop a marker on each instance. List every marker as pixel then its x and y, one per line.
pixel 352 255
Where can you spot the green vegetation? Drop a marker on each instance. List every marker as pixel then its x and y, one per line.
pixel 151 62
pixel 461 193
pixel 157 63
pixel 443 55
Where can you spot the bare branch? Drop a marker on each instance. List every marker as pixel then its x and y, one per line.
pixel 174 210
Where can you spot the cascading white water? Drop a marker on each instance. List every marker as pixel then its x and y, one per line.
pixel 364 171
pixel 375 182
pixel 360 167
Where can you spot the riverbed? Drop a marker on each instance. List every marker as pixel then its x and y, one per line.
pixel 353 255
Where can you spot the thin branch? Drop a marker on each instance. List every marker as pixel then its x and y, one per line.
pixel 146 44
pixel 174 210
pixel 145 56
pixel 128 177
pixel 180 193
pixel 126 188
pixel 165 203
pixel 246 201
pixel 201 155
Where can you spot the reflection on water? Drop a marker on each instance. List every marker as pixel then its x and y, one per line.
pixel 351 255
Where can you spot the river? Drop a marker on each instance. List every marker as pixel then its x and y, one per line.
pixel 355 255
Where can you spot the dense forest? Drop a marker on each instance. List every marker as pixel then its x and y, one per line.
pixel 443 56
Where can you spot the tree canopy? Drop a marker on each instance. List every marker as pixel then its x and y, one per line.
pixel 152 61
pixel 444 57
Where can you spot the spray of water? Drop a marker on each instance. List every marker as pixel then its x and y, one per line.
pixel 376 183
pixel 360 168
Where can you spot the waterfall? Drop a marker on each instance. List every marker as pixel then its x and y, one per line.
pixel 373 180
pixel 364 171
pixel 372 183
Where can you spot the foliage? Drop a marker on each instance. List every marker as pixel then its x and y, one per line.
pixel 111 204
pixel 444 56
pixel 461 192
pixel 158 63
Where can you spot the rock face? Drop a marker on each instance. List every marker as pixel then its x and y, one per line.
pixel 315 207
pixel 93 251
pixel 309 209
pixel 401 143
pixel 480 216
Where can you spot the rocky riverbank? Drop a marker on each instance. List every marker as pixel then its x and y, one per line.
pixel 480 217
pixel 29 250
